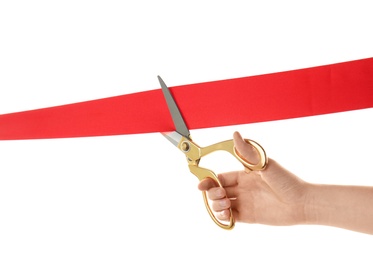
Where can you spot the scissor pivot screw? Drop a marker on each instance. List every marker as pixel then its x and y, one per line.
pixel 185 147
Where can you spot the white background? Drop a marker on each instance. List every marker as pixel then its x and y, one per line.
pixel 132 197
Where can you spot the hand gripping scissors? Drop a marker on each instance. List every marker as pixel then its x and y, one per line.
pixel 182 140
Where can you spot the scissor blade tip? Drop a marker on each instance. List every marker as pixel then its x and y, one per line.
pixel 160 79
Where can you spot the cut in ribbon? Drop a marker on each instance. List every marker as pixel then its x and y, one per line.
pixel 283 95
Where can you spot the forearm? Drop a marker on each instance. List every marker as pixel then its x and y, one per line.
pixel 348 207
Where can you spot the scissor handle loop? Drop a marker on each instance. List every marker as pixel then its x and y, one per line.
pixel 202 174
pixel 229 147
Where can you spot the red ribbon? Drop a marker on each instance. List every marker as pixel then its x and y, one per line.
pixel 298 93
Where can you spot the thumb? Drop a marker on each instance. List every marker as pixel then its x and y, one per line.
pixel 244 149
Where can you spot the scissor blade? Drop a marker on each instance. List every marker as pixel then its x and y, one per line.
pixel 173 137
pixel 179 123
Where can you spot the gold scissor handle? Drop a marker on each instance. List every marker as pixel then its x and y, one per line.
pixel 229 147
pixel 202 173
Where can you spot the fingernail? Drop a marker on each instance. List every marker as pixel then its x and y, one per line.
pixel 223 214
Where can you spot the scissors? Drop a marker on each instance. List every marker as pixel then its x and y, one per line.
pixel 182 140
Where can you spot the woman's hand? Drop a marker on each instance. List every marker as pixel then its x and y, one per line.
pixel 273 196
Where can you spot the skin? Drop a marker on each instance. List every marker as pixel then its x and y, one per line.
pixel 275 196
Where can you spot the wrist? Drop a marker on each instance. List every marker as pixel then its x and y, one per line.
pixel 313 211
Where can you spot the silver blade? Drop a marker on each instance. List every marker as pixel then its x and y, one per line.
pixel 179 123
pixel 173 137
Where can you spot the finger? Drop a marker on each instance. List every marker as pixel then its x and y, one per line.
pixel 244 149
pixel 207 184
pixel 220 205
pixel 226 180
pixel 216 193
pixel 229 178
pixel 223 215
